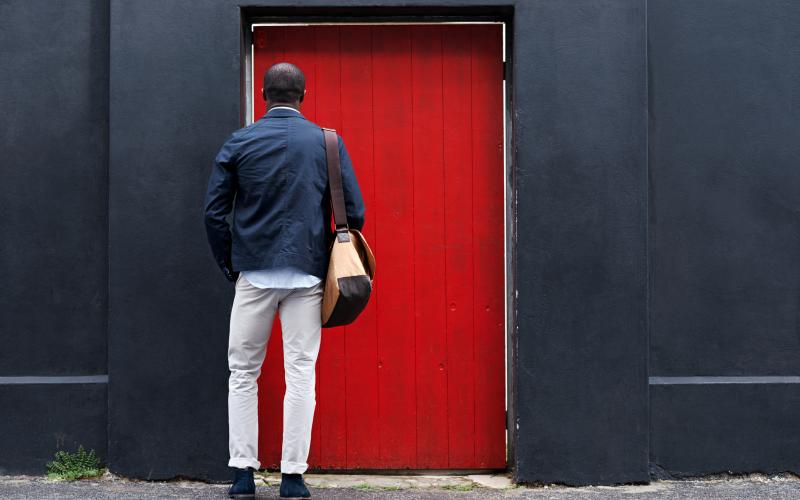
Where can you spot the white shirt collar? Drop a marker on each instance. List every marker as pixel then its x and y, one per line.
pixel 283 107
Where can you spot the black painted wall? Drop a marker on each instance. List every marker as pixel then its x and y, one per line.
pixel 53 228
pixel 725 234
pixel 174 99
pixel 651 137
pixel 580 109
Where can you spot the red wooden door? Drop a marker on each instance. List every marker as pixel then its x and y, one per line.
pixel 418 381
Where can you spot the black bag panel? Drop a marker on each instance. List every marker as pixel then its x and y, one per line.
pixel 354 292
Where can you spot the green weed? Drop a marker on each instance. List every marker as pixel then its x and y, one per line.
pixel 71 466
pixel 369 487
pixel 459 487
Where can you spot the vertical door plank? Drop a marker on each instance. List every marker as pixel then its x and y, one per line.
pixel 429 248
pixel 270 46
pixel 297 48
pixel 332 396
pixel 361 343
pixel 487 207
pixel 459 233
pixel 394 219
pixel 300 50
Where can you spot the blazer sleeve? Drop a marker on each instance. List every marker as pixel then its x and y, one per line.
pixel 218 204
pixel 354 203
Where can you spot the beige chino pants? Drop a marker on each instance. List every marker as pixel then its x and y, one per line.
pixel 251 322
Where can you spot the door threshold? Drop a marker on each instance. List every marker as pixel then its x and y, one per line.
pixel 443 479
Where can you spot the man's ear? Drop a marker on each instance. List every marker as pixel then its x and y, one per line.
pixel 263 94
pixel 303 96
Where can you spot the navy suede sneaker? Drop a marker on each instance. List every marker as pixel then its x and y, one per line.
pixel 293 486
pixel 243 484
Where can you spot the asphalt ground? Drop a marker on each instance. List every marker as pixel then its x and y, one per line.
pixel 109 487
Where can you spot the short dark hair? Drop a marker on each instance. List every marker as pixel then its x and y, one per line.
pixel 284 82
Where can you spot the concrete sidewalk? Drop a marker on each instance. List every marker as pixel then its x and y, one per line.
pixel 346 487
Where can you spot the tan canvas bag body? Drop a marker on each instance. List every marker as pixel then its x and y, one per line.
pixel 351 268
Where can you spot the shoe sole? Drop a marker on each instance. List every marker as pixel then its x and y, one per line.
pixel 243 495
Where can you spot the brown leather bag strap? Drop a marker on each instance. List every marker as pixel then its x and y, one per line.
pixel 335 181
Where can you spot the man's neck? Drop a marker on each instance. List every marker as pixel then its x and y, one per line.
pixel 295 107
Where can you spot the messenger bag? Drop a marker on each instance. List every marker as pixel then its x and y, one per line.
pixel 351 267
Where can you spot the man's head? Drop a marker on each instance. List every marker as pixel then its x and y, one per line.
pixel 284 84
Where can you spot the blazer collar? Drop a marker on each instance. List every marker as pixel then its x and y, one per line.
pixel 283 113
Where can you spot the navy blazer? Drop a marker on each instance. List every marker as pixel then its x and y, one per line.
pixel 274 175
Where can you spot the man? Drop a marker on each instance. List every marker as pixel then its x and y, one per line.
pixel 274 174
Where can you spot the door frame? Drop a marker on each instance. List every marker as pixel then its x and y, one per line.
pixel 294 16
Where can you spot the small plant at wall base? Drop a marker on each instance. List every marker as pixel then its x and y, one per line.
pixel 71 466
